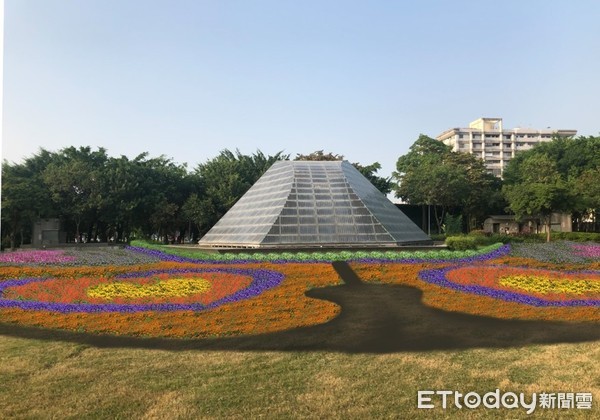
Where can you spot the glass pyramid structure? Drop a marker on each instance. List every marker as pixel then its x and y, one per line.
pixel 300 204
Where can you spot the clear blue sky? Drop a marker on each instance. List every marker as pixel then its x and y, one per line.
pixel 189 78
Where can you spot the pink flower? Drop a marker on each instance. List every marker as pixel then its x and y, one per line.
pixel 35 257
pixel 588 250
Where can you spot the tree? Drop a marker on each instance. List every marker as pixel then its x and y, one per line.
pixel 484 193
pixel 318 155
pixel 74 180
pixel 17 203
pixel 162 188
pixel 430 174
pixel 536 189
pixel 194 211
pixel 24 197
pixel 382 184
pixel 587 190
pixel 576 161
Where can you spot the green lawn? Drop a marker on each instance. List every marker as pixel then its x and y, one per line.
pixel 73 377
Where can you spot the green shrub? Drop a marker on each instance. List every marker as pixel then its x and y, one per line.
pixel 482 239
pixel 461 243
pixel 574 236
pixel 452 224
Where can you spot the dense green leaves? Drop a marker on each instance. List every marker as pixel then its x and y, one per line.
pixel 24 197
pixel 382 184
pixel 431 174
pixel 95 196
pixel 559 176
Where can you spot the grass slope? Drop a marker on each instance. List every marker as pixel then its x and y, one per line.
pixel 56 379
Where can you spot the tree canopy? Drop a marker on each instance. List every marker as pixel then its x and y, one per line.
pixel 432 174
pixel 558 176
pixel 94 195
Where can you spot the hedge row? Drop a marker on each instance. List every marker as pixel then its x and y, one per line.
pixel 476 239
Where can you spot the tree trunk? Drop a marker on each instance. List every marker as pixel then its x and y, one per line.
pixel 77 235
pixel 548 224
pixel 438 220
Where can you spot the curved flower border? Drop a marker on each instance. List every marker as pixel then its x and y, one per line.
pixel 501 251
pixel 438 277
pixel 496 253
pixel 261 280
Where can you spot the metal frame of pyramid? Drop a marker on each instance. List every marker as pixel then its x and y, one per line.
pixel 307 204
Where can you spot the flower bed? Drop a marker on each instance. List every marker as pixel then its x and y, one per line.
pixel 273 300
pixel 544 288
pixel 178 296
pixel 36 257
pixel 185 255
pixel 439 294
pixel 172 287
pixel 560 252
pixel 92 256
pixel 589 251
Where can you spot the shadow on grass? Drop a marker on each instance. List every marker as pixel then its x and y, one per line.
pixel 375 318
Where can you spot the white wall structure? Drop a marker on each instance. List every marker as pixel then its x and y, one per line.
pixel 487 139
pixel 559 222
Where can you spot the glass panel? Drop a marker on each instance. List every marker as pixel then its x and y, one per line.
pixel 308 229
pixel 289 229
pixel 346 228
pixel 325 211
pixel 307 211
pixel 307 220
pixel 329 188
pixel 328 229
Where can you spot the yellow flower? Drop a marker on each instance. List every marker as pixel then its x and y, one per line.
pixel 545 285
pixel 162 288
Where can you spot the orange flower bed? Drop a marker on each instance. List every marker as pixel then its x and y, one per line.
pixel 276 309
pixel 451 300
pixel 532 263
pixel 13 272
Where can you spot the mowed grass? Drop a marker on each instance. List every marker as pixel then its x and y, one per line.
pixel 44 378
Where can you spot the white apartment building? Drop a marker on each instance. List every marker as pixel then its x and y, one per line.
pixel 487 139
